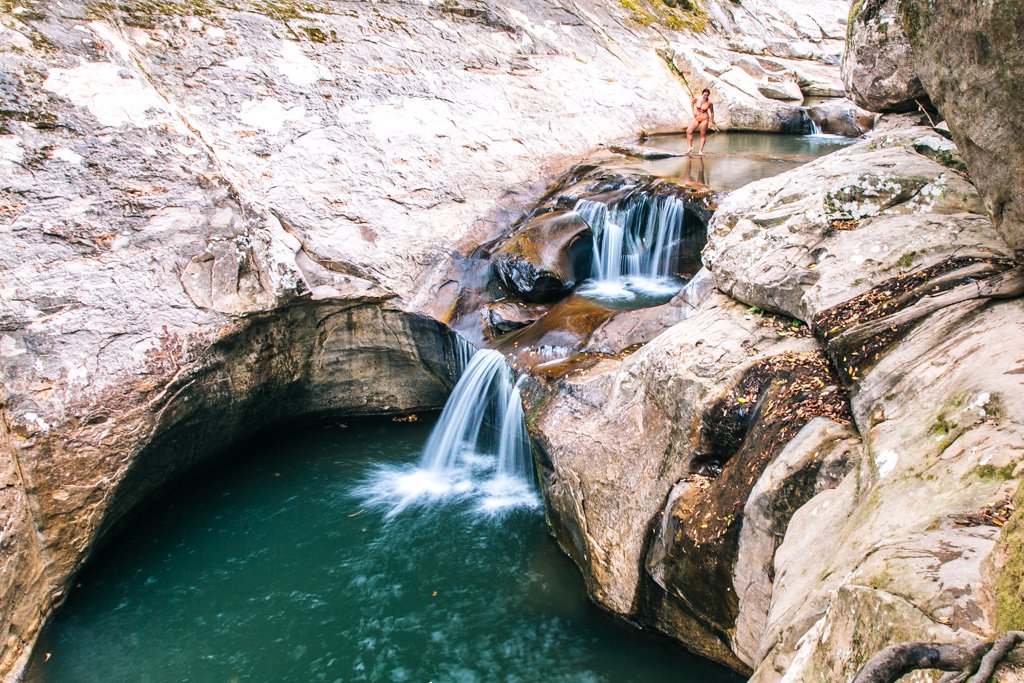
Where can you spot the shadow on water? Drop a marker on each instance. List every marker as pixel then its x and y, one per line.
pixel 270 567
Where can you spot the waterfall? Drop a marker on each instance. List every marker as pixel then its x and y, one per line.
pixel 479 447
pixel 481 395
pixel 515 459
pixel 815 128
pixel 638 238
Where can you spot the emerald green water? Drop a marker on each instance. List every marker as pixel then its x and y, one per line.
pixel 271 568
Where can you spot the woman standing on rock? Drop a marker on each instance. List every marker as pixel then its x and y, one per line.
pixel 703 117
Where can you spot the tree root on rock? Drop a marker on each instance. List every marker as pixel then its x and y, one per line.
pixel 971 664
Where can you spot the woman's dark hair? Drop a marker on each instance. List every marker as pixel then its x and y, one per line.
pixel 706 90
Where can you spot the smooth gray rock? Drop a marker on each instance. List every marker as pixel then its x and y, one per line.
pixel 782 243
pixel 970 59
pixel 878 66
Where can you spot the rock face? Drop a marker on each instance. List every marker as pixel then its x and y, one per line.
pixel 777 54
pixel 878 68
pixel 759 519
pixel 546 258
pixel 807 240
pixel 973 77
pixel 218 215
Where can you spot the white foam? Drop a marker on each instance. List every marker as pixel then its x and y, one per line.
pixel 399 488
pixel 607 290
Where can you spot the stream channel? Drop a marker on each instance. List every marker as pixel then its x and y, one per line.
pixel 359 553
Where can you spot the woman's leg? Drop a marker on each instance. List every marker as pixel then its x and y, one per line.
pixel 689 135
pixel 703 136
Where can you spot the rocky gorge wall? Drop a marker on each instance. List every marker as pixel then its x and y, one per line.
pixel 217 216
pixel 790 495
pixel 967 56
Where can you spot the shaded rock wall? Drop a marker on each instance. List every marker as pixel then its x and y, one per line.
pixel 970 59
pixel 878 67
pixel 79 478
pixel 966 58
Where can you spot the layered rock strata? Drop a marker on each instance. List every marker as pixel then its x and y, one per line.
pixel 182 181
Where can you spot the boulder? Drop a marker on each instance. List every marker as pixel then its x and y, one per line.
pixel 788 533
pixel 786 89
pixel 809 239
pixel 546 257
pixel 507 316
pixel 648 405
pixel 841 117
pixel 970 58
pixel 878 67
pixel 817 459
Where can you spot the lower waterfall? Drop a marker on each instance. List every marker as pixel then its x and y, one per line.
pixel 479 447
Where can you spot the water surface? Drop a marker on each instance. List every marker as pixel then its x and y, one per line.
pixel 731 160
pixel 270 568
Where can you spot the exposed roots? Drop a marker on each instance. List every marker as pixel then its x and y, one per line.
pixel 972 664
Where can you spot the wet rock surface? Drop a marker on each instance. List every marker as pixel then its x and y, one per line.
pixel 545 258
pixel 839 116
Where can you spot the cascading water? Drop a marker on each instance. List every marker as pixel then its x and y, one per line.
pixel 478 448
pixel 815 128
pixel 481 395
pixel 637 243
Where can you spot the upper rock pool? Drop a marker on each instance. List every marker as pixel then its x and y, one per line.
pixel 272 567
pixel 732 160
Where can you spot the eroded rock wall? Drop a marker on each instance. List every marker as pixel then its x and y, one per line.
pixel 182 180
pixel 781 530
pixel 116 447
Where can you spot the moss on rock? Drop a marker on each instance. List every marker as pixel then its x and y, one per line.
pixel 148 13
pixel 1010 584
pixel 680 16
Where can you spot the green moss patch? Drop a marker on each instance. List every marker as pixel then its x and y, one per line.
pixel 148 13
pixel 681 15
pixel 1010 584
